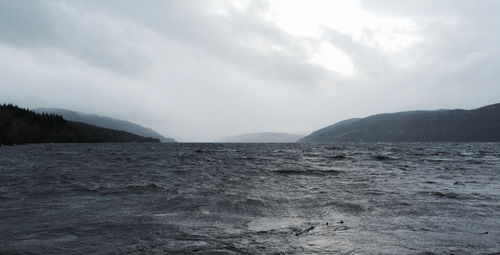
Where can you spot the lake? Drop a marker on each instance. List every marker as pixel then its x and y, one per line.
pixel 341 198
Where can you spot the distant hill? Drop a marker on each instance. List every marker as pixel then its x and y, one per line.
pixel 106 122
pixel 479 125
pixel 19 126
pixel 266 137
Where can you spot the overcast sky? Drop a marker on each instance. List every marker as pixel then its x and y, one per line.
pixel 197 70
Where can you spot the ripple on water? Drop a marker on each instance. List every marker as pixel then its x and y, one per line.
pixel 250 199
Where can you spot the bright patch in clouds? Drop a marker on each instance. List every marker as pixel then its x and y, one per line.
pixel 333 59
pixel 305 18
pixel 308 19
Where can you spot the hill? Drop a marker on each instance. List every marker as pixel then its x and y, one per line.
pixel 19 126
pixel 106 122
pixel 265 137
pixel 479 125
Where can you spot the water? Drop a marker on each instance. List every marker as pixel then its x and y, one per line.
pixel 416 198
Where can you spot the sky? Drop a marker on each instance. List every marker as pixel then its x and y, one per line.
pixel 198 70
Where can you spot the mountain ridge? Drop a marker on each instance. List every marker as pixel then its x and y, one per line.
pixel 477 125
pixel 106 122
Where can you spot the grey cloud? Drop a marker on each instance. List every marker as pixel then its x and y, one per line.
pixel 451 65
pixel 231 37
pixel 458 48
pixel 432 9
pixel 25 22
pixel 47 25
pixel 367 60
pixel 450 29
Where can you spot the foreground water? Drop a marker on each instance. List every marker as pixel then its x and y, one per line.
pixel 250 198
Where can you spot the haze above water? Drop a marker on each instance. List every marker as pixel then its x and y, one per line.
pixel 416 198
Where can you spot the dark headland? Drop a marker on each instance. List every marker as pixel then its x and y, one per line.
pixel 20 126
pixel 106 122
pixel 478 125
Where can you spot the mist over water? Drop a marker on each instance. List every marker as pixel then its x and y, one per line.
pixel 355 198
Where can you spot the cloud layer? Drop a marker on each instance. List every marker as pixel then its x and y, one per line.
pixel 199 70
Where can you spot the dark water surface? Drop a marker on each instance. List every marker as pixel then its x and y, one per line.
pixel 417 198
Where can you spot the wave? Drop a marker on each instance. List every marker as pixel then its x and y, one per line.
pixel 346 207
pixel 381 157
pixel 133 188
pixel 450 195
pixel 141 188
pixel 308 172
pixel 338 157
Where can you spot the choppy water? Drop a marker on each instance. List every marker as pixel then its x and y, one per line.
pixel 419 198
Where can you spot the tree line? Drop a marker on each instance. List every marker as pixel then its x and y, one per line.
pixel 19 126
